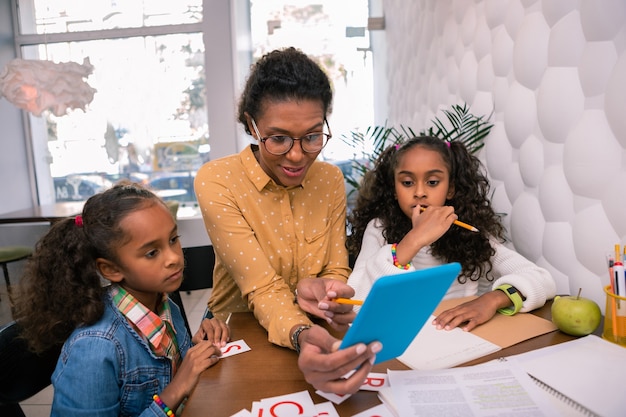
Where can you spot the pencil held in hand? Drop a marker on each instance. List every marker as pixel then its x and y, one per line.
pixel 348 301
pixel 459 223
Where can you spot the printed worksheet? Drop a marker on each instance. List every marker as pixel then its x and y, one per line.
pixel 484 390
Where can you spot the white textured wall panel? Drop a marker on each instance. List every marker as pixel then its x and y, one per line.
pixel 554 74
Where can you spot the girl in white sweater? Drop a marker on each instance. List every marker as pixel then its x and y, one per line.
pixel 404 220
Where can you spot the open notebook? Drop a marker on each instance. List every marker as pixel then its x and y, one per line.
pixel 587 374
pixel 441 349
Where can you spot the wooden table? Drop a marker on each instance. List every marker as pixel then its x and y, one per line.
pixel 45 213
pixel 269 370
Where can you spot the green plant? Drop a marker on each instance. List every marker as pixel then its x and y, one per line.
pixel 459 125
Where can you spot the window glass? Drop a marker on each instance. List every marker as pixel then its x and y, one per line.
pixel 147 121
pixel 334 33
pixel 60 16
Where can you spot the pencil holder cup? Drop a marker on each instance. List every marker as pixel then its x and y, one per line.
pixel 614 318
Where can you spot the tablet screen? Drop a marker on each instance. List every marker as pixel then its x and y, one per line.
pixel 398 306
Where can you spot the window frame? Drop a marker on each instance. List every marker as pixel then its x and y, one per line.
pixel 227 22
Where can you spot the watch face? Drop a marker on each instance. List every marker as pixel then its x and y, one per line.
pixel 511 290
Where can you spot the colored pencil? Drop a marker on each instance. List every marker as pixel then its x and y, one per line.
pixel 348 301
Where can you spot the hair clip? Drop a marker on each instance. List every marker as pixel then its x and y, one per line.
pixel 78 221
pixel 397 146
pixel 448 144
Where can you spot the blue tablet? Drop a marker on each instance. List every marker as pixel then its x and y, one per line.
pixel 398 306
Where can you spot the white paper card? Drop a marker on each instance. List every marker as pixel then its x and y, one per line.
pixel 296 404
pixel 234 348
pixel 326 409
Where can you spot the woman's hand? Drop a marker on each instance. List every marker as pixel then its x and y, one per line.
pixel 325 367
pixel 214 331
pixel 316 295
pixel 474 312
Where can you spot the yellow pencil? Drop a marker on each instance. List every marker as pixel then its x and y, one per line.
pixel 348 301
pixel 460 223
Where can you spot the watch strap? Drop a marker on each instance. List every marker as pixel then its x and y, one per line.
pixel 296 334
pixel 515 297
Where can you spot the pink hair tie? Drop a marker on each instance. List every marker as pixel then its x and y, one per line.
pixel 447 144
pixel 78 221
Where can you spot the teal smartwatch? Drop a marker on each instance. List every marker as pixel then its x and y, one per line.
pixel 515 297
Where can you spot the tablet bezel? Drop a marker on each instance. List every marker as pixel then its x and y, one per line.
pixel 398 306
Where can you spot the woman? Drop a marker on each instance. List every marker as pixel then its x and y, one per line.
pixel 276 218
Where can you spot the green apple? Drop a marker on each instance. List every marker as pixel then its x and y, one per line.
pixel 575 315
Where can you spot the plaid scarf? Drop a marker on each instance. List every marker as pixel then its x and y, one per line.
pixel 157 329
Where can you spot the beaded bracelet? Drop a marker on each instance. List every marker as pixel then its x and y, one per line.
pixel 161 404
pixel 395 258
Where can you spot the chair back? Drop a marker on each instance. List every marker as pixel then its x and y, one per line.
pixel 199 264
pixel 24 373
pixel 198 275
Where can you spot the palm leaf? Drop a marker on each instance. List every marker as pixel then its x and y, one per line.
pixel 458 125
pixel 465 127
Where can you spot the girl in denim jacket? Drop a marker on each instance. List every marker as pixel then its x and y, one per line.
pixel 126 350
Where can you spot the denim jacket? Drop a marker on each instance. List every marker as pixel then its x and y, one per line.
pixel 107 369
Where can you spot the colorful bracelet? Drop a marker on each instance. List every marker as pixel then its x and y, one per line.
pixel 161 404
pixel 395 258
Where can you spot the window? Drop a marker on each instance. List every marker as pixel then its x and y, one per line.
pixel 148 121
pixel 334 33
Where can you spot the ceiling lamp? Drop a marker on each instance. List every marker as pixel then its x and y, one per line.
pixel 35 85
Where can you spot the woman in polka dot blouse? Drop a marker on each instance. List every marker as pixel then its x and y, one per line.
pixel 277 220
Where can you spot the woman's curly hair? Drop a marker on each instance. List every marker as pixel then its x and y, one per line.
pixel 61 288
pixel 376 200
pixel 282 75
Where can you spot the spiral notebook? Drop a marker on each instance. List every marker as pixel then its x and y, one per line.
pixel 588 375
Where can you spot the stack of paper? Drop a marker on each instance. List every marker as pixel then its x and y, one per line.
pixel 494 389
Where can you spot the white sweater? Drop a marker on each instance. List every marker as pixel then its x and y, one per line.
pixel 509 267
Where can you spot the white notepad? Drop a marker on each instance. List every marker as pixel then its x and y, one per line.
pixel 441 349
pixel 588 373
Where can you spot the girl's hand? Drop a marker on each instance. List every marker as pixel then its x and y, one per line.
pixel 214 331
pixel 198 359
pixel 472 313
pixel 433 222
pixel 428 227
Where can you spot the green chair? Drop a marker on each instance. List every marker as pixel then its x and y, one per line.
pixel 12 254
pixel 173 206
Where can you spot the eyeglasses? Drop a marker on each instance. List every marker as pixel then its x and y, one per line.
pixel 281 144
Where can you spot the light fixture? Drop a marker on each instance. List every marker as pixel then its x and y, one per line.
pixel 37 85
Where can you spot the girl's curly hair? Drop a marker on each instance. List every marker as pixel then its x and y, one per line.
pixel 61 287
pixel 376 200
